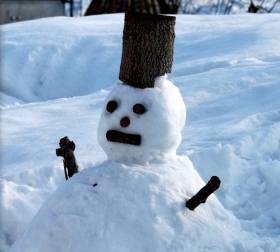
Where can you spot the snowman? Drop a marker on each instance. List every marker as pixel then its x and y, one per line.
pixel 136 200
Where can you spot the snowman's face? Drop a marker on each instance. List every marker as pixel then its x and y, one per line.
pixel 141 124
pixel 119 136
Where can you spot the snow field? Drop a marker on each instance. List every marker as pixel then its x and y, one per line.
pixel 57 73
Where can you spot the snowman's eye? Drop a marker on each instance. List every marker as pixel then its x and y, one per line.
pixel 111 106
pixel 139 109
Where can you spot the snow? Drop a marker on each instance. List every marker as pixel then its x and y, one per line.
pixel 117 219
pixel 159 127
pixel 56 75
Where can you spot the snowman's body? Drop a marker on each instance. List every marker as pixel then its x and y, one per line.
pixel 136 200
pixel 118 207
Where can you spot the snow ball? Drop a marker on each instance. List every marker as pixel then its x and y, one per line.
pixel 152 117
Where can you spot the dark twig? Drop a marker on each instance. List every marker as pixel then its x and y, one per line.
pixel 66 151
pixel 202 195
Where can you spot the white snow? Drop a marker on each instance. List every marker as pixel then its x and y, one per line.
pixel 55 76
pixel 159 127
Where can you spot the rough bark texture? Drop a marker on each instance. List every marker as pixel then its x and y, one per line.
pixel 119 137
pixel 148 42
pixel 202 195
pixel 143 6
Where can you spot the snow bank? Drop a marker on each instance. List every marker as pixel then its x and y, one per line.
pixel 60 57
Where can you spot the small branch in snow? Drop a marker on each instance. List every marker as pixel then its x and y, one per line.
pixel 66 151
pixel 201 197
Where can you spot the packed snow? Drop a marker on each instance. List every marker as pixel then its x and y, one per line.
pixel 159 127
pixel 57 75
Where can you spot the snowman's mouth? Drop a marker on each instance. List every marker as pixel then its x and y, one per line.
pixel 119 137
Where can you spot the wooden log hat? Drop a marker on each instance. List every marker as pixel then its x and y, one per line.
pixel 148 42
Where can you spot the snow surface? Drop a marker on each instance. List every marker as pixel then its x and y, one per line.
pixel 55 76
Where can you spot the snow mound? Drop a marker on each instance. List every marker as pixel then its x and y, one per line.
pixel 125 207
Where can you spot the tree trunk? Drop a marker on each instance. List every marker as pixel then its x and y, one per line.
pixel 148 42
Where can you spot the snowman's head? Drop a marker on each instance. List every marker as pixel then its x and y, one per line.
pixel 142 124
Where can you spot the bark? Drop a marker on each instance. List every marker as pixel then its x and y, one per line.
pixel 202 195
pixel 119 137
pixel 148 42
pixel 66 151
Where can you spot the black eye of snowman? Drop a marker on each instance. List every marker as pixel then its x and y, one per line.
pixel 111 106
pixel 139 109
